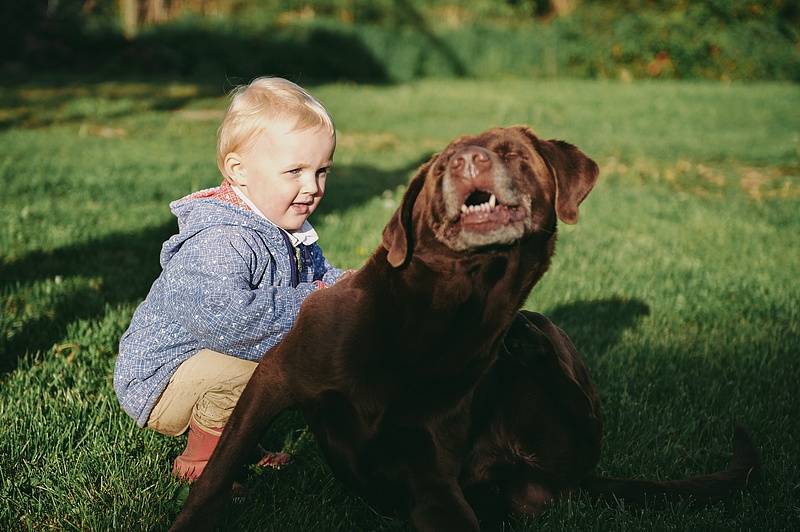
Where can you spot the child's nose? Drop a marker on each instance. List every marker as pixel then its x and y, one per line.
pixel 310 184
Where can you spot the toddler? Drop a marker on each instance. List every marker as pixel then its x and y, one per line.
pixel 234 276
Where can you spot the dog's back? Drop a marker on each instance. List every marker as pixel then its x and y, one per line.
pixel 536 435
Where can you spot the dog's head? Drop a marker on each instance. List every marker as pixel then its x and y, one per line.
pixel 491 189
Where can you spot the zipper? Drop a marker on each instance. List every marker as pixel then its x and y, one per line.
pixel 294 260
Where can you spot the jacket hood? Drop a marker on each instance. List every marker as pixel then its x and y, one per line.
pixel 212 208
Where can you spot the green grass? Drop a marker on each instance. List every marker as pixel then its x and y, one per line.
pixel 679 285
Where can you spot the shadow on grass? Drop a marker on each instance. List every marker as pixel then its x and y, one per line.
pixel 357 184
pixel 50 290
pixel 58 103
pixel 125 264
pixel 596 326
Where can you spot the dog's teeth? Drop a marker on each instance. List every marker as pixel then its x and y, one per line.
pixel 483 207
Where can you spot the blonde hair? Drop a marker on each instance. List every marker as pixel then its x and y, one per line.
pixel 266 100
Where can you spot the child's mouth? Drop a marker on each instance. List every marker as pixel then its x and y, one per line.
pixel 301 208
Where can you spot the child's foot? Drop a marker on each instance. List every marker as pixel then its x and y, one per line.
pixel 200 443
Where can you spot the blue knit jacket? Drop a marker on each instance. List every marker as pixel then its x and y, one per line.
pixel 230 282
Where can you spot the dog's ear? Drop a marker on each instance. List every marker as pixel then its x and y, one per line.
pixel 398 235
pixel 575 175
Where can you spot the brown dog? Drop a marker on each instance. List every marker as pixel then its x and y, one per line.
pixel 385 364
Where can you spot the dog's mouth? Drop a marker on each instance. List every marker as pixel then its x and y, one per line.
pixel 483 205
pixel 482 211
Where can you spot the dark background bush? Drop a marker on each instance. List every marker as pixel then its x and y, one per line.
pixel 387 41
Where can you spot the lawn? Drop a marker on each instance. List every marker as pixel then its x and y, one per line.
pixel 680 285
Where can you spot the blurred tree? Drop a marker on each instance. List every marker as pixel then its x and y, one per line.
pixel 563 7
pixel 544 8
pixel 129 17
pixel 156 11
pixel 135 13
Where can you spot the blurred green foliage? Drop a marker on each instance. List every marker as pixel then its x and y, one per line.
pixel 388 41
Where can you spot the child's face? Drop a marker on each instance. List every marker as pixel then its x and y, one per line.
pixel 284 173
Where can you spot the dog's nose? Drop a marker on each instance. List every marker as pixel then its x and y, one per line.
pixel 470 162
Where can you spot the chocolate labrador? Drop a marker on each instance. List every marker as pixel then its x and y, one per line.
pixel 421 383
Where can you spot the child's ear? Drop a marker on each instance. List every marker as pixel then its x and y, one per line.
pixel 234 169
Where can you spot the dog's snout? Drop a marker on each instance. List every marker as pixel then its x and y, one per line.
pixel 469 162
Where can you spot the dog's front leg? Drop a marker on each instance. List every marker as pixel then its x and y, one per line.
pixel 264 397
pixel 435 461
pixel 442 508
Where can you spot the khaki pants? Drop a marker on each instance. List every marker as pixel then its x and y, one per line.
pixel 205 388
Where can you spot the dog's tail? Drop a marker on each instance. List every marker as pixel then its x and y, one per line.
pixel 744 468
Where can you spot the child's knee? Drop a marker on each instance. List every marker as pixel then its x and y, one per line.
pixel 215 406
